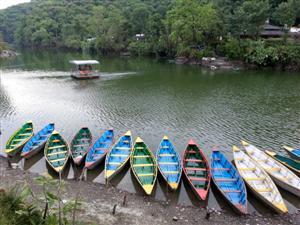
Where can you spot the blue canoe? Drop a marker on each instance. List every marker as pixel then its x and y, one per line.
pixel 295 153
pixel 118 156
pixel 229 182
pixel 169 163
pixel 99 150
pixel 37 142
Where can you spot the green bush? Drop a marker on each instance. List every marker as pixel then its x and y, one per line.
pixel 263 53
pixel 233 49
pixel 139 48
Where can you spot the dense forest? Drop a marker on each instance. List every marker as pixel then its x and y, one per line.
pixel 190 28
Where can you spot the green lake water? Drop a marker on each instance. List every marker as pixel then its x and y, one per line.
pixel 152 98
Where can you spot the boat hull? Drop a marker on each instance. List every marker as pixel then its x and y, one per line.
pixel 117 171
pixel 148 161
pixel 33 152
pixel 285 186
pixel 89 77
pixel 258 181
pixel 166 153
pixel 57 152
pixel 16 150
pixel 290 150
pixel 228 181
pixel 238 210
pixel 118 156
pixel 93 165
pixel 78 160
pixel 265 201
pixel 201 193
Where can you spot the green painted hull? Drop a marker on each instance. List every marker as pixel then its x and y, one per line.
pixel 16 142
pixel 144 166
pixel 56 152
pixel 292 164
pixel 81 144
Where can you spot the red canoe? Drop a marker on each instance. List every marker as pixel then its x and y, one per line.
pixel 196 169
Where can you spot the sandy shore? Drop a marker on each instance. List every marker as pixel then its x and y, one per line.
pixel 99 201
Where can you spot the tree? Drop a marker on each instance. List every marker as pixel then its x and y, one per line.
pixel 192 22
pixel 285 13
pixel 249 17
pixel 108 26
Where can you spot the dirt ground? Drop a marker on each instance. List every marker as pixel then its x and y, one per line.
pixel 99 200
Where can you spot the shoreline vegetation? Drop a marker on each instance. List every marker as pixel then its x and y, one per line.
pixel 253 33
pixel 35 199
pixel 5 52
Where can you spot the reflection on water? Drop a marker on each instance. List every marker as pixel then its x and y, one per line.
pixel 152 99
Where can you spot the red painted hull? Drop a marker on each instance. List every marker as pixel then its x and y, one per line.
pixel 201 193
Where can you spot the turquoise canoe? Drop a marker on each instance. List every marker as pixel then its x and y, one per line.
pixel 99 150
pixel 118 156
pixel 169 163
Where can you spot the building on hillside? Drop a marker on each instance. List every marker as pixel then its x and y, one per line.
pixel 271 31
pixel 268 31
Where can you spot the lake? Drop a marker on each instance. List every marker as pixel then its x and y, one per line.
pixel 152 98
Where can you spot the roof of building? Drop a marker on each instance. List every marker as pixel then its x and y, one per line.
pixel 271 27
pixel 84 62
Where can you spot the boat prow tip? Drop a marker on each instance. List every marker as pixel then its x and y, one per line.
pixel 139 140
pixel 244 143
pixel 235 148
pixel 128 133
pixel 191 142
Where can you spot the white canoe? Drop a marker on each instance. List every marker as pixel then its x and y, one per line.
pixel 281 175
pixel 258 181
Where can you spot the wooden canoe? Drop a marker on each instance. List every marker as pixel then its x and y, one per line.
pixel 196 169
pixel 169 163
pixel 292 164
pixel 118 156
pixel 295 153
pixel 56 152
pixel 99 149
pixel 229 182
pixel 281 175
pixel 17 141
pixel 258 181
pixel 37 142
pixel 80 145
pixel 143 165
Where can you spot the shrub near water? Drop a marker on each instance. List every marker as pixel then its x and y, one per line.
pixel 263 53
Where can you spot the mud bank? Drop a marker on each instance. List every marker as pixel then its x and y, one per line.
pixel 99 201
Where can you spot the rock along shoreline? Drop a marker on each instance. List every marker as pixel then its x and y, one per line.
pixel 6 54
pixel 99 201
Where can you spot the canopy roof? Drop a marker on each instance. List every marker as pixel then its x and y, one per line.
pixel 84 62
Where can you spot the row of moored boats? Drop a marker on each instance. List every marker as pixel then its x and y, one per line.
pixel 259 170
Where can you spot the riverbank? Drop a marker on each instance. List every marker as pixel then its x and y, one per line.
pixel 99 200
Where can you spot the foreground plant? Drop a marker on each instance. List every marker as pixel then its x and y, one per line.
pixel 20 205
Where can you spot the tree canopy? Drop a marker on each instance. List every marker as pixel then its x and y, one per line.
pixel 169 26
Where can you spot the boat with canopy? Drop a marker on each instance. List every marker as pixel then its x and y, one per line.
pixel 83 69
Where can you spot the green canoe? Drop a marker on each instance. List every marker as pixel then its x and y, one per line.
pixel 16 142
pixel 292 164
pixel 80 145
pixel 143 165
pixel 56 151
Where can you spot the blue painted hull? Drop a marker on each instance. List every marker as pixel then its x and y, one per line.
pixel 229 182
pixel 98 151
pixel 37 142
pixel 169 163
pixel 119 155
